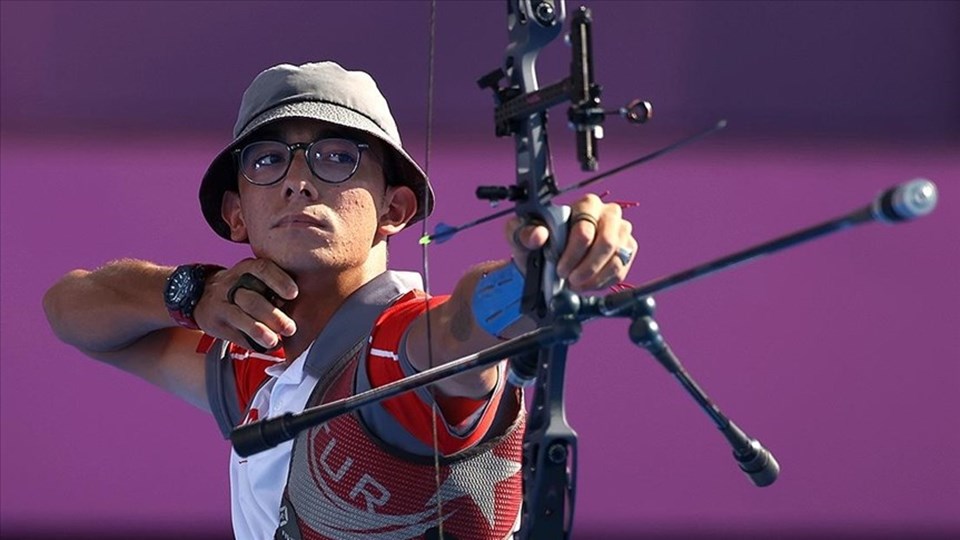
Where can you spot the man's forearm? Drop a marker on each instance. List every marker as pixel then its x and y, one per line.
pixel 109 308
pixel 465 328
pixel 455 333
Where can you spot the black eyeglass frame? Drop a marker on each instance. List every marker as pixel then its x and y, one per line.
pixel 306 147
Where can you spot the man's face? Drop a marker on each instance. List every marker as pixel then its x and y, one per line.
pixel 303 223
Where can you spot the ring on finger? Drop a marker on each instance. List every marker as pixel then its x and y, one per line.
pixel 583 216
pixel 624 254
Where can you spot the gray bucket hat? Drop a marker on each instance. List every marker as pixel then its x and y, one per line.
pixel 320 91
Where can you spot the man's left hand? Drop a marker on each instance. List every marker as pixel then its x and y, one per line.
pixel 600 246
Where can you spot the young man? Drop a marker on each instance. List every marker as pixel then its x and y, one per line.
pixel 316 180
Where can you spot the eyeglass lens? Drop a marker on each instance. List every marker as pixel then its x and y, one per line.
pixel 331 160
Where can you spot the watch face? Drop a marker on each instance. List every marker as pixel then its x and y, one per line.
pixel 179 288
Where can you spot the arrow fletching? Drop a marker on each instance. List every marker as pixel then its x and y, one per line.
pixel 441 233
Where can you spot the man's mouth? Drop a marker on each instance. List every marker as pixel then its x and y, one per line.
pixel 301 221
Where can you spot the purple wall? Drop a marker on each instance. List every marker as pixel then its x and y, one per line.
pixel 857 67
pixel 841 356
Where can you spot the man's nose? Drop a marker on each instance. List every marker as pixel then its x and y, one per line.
pixel 300 179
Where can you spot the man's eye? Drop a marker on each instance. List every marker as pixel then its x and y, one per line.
pixel 337 157
pixel 267 160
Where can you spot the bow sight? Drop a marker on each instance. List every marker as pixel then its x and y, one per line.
pixel 514 106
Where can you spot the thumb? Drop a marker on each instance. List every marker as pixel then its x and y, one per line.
pixel 524 238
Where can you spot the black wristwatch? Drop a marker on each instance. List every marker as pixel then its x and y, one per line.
pixel 184 289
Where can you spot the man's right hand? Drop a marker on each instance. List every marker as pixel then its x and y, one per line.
pixel 250 313
pixel 116 314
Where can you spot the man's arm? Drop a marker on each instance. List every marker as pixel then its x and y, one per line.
pixel 455 333
pixel 116 314
pixel 589 262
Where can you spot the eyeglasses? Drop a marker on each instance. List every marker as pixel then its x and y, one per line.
pixel 264 163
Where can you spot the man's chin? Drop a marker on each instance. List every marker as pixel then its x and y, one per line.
pixel 303 262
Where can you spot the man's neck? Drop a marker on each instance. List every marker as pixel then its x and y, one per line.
pixel 321 294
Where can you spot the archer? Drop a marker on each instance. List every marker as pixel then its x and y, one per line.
pixel 316 181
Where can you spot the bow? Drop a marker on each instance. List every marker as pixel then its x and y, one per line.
pixel 549 449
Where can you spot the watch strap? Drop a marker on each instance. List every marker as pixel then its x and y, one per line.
pixel 182 313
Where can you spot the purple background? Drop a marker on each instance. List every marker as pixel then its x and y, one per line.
pixel 841 356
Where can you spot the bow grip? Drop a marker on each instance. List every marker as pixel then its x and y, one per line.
pixel 541 283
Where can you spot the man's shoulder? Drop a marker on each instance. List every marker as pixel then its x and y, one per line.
pixel 414 301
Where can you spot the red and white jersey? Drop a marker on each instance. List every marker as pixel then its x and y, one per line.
pixel 345 484
pixel 367 475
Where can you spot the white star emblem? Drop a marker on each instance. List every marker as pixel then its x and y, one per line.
pixel 477 477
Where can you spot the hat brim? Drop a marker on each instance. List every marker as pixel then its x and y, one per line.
pixel 221 175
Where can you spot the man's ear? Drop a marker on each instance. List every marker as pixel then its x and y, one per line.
pixel 231 214
pixel 399 207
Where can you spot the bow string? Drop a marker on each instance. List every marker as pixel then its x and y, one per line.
pixel 425 259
